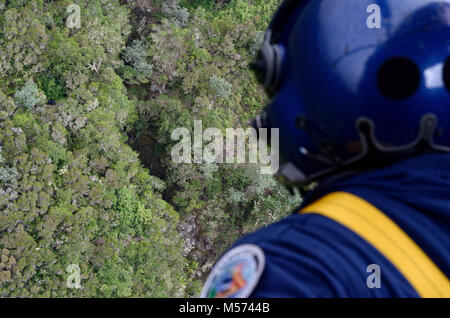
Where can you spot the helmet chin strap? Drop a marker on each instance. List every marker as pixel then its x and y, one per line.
pixel 373 154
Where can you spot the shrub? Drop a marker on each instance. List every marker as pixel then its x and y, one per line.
pixel 7 175
pixel 221 87
pixel 28 96
pixel 136 56
pixel 178 15
pixel 53 87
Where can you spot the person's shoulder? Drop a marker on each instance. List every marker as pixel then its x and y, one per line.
pixel 303 255
pixel 238 270
pixel 278 249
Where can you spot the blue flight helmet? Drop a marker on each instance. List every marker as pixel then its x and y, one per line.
pixel 347 96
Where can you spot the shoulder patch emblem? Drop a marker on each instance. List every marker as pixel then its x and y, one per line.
pixel 236 274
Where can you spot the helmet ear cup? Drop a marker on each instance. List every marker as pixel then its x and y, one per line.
pixel 269 63
pixel 278 63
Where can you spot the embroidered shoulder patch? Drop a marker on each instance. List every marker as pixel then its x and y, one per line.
pixel 236 274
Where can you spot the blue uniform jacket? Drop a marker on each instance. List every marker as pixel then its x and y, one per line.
pixel 312 256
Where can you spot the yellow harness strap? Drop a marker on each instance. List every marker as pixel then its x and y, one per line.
pixel 388 238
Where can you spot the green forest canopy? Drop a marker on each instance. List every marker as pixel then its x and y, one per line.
pixel 86 117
